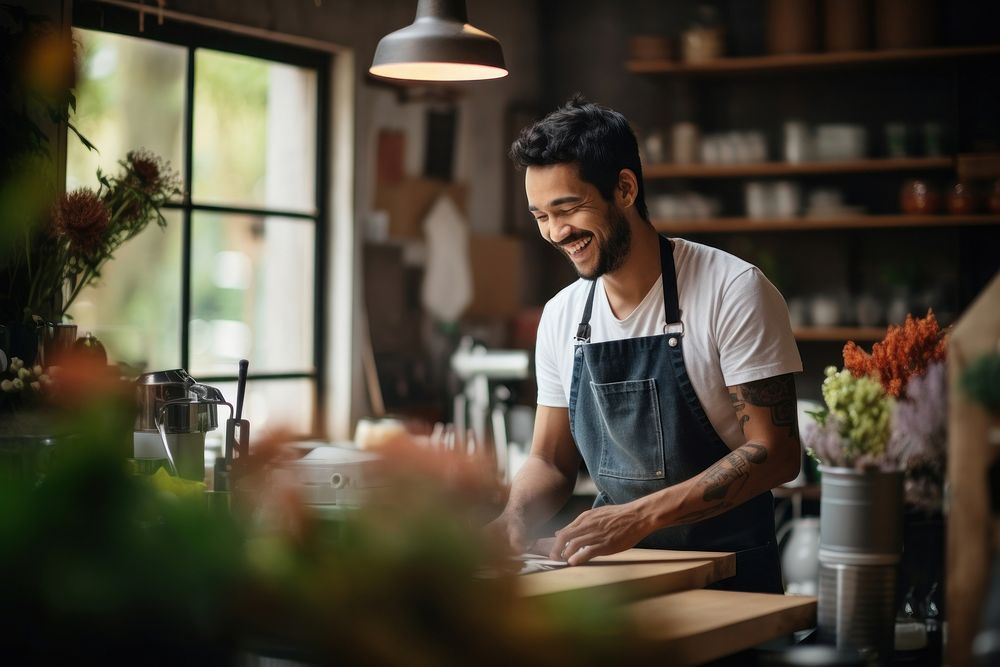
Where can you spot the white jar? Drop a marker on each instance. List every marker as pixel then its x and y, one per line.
pixel 800 557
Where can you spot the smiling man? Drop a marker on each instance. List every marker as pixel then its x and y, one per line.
pixel 666 369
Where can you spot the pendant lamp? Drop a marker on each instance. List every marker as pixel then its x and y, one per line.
pixel 439 45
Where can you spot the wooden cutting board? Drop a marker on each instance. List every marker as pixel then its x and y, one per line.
pixel 635 574
pixel 696 626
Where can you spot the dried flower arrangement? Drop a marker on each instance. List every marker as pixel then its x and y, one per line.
pixel 888 409
pixel 906 351
pixel 48 257
pixel 86 227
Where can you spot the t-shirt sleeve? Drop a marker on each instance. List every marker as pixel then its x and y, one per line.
pixel 754 334
pixel 547 378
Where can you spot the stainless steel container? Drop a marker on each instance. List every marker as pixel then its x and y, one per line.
pixel 175 413
pixel 861 516
pixel 856 607
pixel 193 407
pixel 861 544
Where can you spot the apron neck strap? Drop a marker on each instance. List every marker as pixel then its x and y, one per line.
pixel 583 329
pixel 671 304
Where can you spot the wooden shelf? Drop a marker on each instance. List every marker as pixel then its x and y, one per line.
pixel 657 171
pixel 840 334
pixel 726 225
pixel 806 61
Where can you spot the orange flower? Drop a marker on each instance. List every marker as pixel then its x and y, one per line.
pixel 83 218
pixel 905 352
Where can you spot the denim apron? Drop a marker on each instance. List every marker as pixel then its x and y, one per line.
pixel 640 428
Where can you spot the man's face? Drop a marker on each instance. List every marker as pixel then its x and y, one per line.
pixel 593 233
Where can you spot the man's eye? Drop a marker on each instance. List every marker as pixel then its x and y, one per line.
pixel 541 218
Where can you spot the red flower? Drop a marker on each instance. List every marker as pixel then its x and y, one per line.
pixel 81 217
pixel 147 169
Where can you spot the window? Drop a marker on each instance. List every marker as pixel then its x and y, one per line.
pixel 238 271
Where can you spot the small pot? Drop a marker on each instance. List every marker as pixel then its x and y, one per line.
pixel 919 197
pixel 962 199
pixel 906 24
pixel 846 24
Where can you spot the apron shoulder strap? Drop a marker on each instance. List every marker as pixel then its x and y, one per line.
pixel 583 329
pixel 671 304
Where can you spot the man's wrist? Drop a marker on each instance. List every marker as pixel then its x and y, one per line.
pixel 654 511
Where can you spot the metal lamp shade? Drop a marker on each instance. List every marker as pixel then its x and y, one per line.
pixel 439 45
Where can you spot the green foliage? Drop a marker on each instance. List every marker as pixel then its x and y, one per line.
pixel 37 74
pixel 95 562
pixel 981 381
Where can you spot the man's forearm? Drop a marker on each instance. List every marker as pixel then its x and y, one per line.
pixel 538 491
pixel 742 474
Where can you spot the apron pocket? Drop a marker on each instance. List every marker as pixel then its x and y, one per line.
pixel 632 442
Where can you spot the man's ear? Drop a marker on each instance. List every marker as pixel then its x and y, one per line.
pixel 628 188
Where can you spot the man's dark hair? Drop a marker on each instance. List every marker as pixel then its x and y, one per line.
pixel 597 139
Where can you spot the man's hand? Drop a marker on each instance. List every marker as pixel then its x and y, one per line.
pixel 509 532
pixel 602 531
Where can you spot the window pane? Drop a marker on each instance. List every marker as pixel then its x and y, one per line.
pixel 270 405
pixel 135 310
pixel 252 289
pixel 130 95
pixel 254 133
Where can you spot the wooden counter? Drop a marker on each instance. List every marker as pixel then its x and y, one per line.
pixel 635 574
pixel 665 597
pixel 696 626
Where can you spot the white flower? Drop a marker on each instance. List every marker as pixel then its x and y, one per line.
pixel 36 386
pixel 7 385
pixel 23 374
pixel 37 370
pixel 16 364
pixel 45 379
pixel 17 383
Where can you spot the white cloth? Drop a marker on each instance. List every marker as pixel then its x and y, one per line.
pixel 447 287
pixel 736 330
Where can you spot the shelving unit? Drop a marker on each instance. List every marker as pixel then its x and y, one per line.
pixel 807 61
pixel 662 171
pixel 751 225
pixel 840 334
pixel 872 182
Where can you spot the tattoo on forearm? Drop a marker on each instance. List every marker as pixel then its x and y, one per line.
pixel 777 394
pixel 731 473
pixel 724 480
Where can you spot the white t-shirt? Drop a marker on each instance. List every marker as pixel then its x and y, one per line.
pixel 736 330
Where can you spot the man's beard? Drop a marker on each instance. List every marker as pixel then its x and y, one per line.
pixel 612 250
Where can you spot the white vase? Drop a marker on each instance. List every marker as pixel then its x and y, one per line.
pixel 800 556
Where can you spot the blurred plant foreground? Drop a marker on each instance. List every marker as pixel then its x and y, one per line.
pixel 99 564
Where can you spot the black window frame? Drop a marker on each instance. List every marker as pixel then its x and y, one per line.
pixel 89 16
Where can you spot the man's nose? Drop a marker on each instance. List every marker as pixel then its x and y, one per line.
pixel 559 233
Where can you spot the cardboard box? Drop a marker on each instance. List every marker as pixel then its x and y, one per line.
pixel 497 276
pixel 409 201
